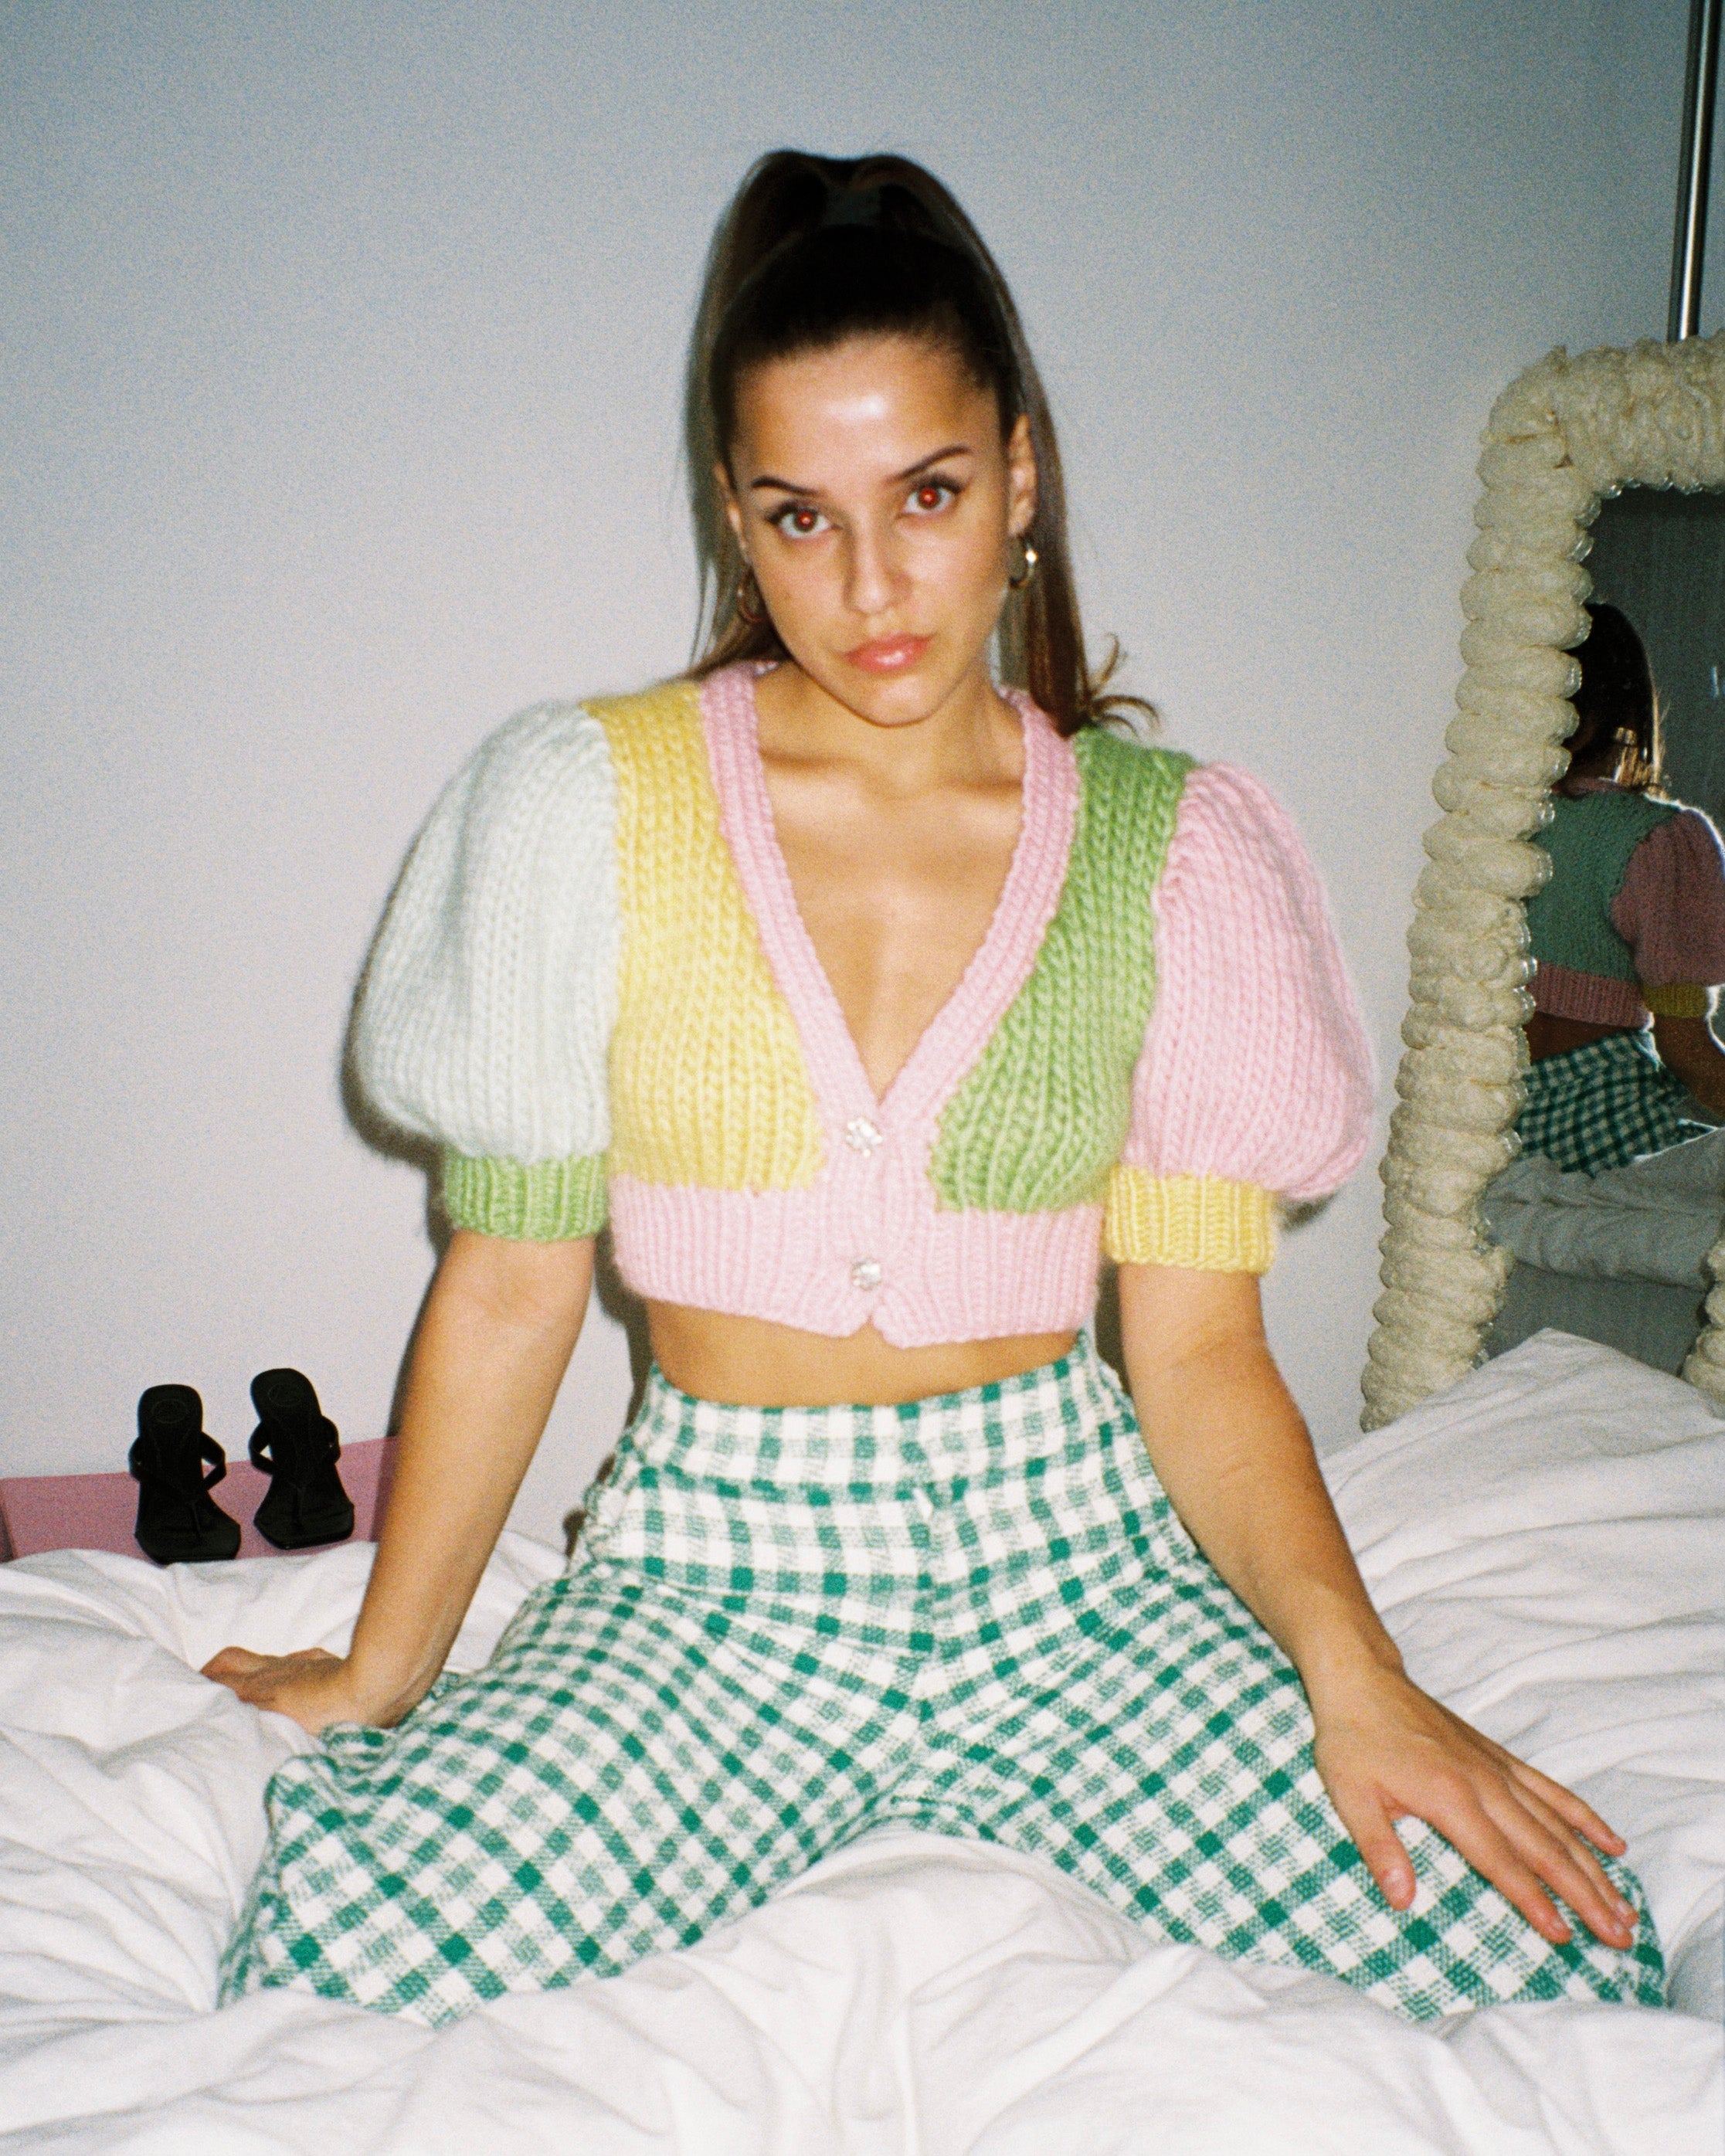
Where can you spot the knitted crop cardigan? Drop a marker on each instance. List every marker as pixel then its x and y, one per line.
pixel 593 990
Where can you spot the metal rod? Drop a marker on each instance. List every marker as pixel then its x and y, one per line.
pixel 1700 89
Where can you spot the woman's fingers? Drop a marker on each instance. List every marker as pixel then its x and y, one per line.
pixel 1372 1834
pixel 232 1662
pixel 1461 1817
pixel 1524 1832
pixel 269 1681
pixel 1568 1807
pixel 1563 1862
pixel 1546 1822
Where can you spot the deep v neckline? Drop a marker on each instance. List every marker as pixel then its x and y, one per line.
pixel 998 966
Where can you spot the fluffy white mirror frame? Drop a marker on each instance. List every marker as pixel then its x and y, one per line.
pixel 1561 437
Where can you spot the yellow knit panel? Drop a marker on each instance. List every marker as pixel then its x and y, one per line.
pixel 708 1081
pixel 1677 999
pixel 1200 1222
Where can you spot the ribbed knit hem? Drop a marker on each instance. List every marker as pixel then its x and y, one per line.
pixel 1593 998
pixel 1677 999
pixel 1201 1222
pixel 554 1201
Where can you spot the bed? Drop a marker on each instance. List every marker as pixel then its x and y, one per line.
pixel 1619 1257
pixel 1544 1539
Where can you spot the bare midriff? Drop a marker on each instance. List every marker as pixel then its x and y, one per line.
pixel 751 1362
pixel 1549 1035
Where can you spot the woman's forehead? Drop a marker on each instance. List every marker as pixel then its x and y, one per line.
pixel 869 397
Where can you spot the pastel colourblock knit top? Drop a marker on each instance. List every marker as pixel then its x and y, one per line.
pixel 1632 920
pixel 593 990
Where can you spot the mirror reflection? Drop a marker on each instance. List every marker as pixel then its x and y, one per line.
pixel 1619 1189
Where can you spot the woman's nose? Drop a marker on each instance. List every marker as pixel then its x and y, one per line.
pixel 873 577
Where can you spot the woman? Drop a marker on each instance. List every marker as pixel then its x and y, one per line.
pixel 870 997
pixel 1628 934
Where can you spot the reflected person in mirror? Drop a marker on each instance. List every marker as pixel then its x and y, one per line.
pixel 1628 935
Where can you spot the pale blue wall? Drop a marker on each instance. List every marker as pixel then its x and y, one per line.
pixel 341 348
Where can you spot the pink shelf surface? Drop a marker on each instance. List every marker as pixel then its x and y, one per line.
pixel 40 1512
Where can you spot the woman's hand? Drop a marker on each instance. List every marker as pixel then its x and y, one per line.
pixel 1387 1751
pixel 313 1687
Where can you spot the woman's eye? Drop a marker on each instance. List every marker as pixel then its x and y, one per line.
pixel 933 494
pixel 799 521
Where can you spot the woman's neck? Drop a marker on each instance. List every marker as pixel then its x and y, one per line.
pixel 973 737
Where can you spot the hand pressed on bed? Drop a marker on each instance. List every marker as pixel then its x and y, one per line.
pixel 1230 1450
pixel 494 1340
pixel 1388 1750
pixel 311 1688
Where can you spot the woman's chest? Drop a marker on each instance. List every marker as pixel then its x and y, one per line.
pixel 896 898
pixel 961 1000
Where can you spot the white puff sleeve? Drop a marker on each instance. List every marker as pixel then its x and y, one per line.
pixel 484 1017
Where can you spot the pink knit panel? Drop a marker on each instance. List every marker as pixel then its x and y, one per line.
pixel 1255 1067
pixel 1593 998
pixel 1671 907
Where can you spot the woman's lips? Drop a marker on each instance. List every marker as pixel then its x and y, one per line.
pixel 888 654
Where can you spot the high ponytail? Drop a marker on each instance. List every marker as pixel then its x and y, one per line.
pixel 814 250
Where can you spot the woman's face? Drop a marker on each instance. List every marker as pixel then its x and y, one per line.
pixel 873 496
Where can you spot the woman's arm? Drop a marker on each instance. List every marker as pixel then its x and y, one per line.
pixel 1231 1449
pixel 1686 1045
pixel 499 1327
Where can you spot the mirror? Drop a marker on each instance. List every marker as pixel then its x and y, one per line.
pixel 1618 1194
pixel 1613 428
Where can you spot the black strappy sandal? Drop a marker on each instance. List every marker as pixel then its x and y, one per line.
pixel 179 1523
pixel 297 1446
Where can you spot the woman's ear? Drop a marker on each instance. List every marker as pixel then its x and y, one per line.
pixel 732 507
pixel 1020 478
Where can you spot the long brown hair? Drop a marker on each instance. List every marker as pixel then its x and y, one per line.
pixel 1617 735
pixel 814 250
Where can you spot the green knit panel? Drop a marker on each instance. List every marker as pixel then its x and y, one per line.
pixel 1040 1121
pixel 1590 838
pixel 555 1201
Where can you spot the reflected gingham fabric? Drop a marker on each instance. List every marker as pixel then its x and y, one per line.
pixel 976 1613
pixel 1604 1104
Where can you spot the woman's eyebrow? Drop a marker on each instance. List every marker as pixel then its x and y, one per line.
pixel 898 479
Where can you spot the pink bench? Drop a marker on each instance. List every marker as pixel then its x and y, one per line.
pixel 42 1512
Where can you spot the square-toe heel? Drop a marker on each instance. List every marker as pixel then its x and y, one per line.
pixel 179 1523
pixel 297 1445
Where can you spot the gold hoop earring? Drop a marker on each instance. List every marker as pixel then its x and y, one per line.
pixel 1026 569
pixel 748 589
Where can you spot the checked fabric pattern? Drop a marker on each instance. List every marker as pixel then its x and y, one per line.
pixel 977 1614
pixel 1603 1105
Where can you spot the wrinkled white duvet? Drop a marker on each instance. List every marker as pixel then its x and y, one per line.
pixel 1545 1544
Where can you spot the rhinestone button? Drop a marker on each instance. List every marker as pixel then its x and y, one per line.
pixel 862 1136
pixel 865 1274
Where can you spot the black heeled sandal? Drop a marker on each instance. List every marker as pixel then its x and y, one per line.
pixel 179 1523
pixel 297 1446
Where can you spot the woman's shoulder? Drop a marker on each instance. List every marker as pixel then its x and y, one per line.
pixel 557 761
pixel 1124 768
pixel 577 730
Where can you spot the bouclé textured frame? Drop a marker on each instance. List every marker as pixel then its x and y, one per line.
pixel 1562 436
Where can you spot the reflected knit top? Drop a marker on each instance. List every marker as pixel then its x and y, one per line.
pixel 593 990
pixel 1632 920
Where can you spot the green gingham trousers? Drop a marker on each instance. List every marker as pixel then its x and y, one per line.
pixel 1604 1104
pixel 976 1613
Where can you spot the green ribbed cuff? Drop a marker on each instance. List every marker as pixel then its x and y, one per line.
pixel 555 1201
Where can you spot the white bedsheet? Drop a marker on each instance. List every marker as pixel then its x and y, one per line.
pixel 1655 1219
pixel 1545 1544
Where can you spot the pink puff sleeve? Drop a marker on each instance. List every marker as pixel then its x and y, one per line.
pixel 1255 1083
pixel 1670 911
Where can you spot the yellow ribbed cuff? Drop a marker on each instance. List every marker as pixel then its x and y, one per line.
pixel 1677 999
pixel 554 1201
pixel 1199 1222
